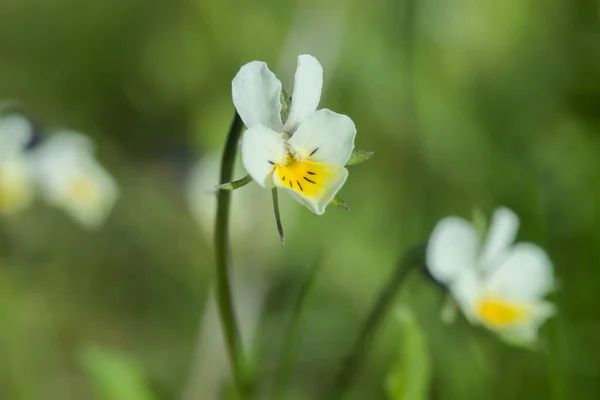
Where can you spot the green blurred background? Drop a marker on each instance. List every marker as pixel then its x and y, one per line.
pixel 469 105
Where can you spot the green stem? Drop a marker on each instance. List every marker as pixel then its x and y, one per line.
pixel 289 346
pixel 353 360
pixel 229 324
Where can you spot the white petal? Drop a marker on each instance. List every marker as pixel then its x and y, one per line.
pixel 256 90
pixel 15 133
pixel 527 332
pixel 70 178
pixel 452 249
pixel 466 289
pixel 93 212
pixel 317 193
pixel 325 137
pixel 308 83
pixel 70 143
pixel 262 148
pixel 502 233
pixel 525 275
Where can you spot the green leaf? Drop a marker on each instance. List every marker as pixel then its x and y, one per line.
pixel 338 201
pixel 114 376
pixel 359 156
pixel 235 184
pixel 277 216
pixel 411 376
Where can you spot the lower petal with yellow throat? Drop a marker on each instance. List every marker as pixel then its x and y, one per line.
pixel 313 183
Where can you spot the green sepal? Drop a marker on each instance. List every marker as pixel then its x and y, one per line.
pixel 286 104
pixel 359 156
pixel 338 201
pixel 277 215
pixel 235 184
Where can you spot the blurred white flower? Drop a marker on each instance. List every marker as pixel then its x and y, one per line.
pixel 496 283
pixel 16 180
pixel 70 178
pixel 202 199
pixel 305 155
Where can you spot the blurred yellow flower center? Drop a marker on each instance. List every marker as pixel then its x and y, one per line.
pixel 500 313
pixel 82 190
pixel 308 178
pixel 12 196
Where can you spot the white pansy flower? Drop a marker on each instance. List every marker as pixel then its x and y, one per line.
pixel 497 283
pixel 70 178
pixel 304 155
pixel 16 182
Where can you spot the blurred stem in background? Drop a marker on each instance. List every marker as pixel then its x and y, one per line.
pixel 290 337
pixel 223 287
pixel 354 359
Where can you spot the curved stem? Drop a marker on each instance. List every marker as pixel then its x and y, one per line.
pixel 353 360
pixel 223 290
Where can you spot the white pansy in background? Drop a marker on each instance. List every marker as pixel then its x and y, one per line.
pixel 16 181
pixel 495 282
pixel 70 178
pixel 202 199
pixel 304 154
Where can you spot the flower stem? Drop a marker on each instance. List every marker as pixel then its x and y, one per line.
pixel 223 293
pixel 353 360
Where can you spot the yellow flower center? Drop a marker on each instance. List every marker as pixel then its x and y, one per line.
pixel 82 190
pixel 500 313
pixel 12 196
pixel 308 178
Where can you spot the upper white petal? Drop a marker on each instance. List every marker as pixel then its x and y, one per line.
pixel 328 136
pixel 256 90
pixel 261 149
pixel 69 143
pixel 308 83
pixel 525 275
pixel 15 133
pixel 502 233
pixel 452 249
